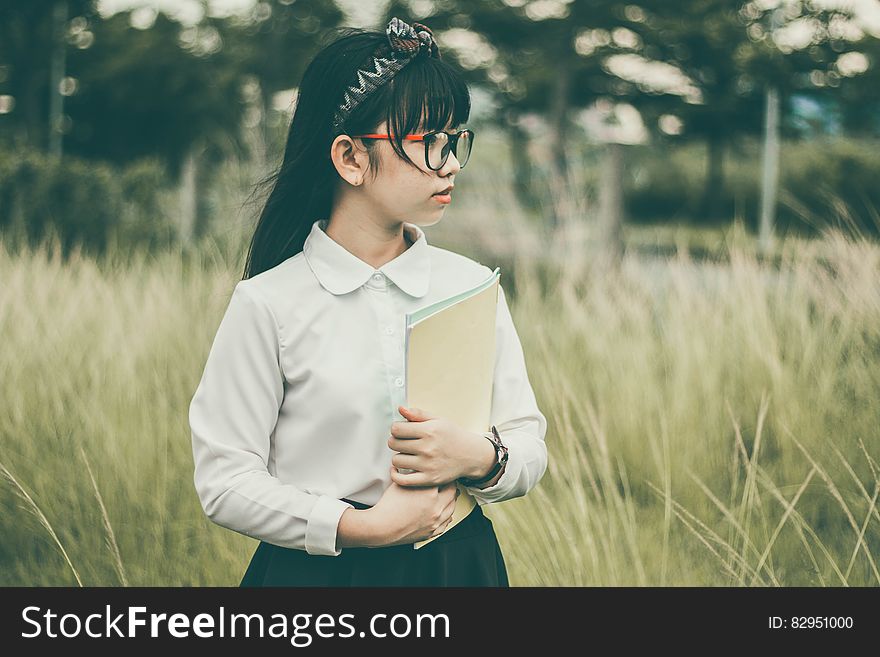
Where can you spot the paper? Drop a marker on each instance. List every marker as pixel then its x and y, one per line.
pixel 450 365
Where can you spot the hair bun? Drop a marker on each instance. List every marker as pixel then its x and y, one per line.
pixel 410 40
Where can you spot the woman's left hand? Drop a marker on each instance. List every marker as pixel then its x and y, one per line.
pixel 438 449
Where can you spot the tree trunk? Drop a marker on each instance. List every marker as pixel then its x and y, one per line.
pixel 608 250
pixel 560 196
pixel 32 115
pixel 188 186
pixel 770 176
pixel 262 133
pixel 56 99
pixel 713 200
pixel 523 183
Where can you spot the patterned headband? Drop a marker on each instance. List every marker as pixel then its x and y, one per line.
pixel 405 43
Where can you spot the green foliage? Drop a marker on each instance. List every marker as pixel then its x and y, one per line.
pixel 830 182
pixel 84 203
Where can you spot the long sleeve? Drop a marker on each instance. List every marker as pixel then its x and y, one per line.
pixel 232 417
pixel 515 414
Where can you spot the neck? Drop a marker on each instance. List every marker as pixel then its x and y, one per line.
pixel 361 233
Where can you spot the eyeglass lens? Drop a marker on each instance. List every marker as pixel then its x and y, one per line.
pixel 439 147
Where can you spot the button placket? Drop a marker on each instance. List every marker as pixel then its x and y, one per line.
pixel 391 338
pixel 394 356
pixel 383 322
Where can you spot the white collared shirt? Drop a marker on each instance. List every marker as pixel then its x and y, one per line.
pixel 302 382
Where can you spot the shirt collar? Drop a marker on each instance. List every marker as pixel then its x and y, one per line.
pixel 339 271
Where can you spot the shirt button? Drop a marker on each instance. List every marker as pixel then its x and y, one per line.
pixel 389 330
pixel 398 381
pixel 377 277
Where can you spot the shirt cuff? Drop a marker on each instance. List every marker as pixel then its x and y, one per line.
pixel 323 524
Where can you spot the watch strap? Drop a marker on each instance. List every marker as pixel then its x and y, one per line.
pixel 500 459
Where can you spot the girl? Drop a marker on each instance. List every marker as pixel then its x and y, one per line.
pixel 297 425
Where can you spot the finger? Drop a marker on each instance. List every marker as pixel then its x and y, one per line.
pixel 417 414
pixel 405 461
pixel 409 479
pixel 406 430
pixel 402 443
pixel 450 508
pixel 442 528
pixel 453 487
pixel 450 490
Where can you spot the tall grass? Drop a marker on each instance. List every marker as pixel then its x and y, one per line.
pixel 709 423
pixel 712 423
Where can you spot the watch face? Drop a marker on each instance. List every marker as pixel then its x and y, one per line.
pixel 500 453
pixel 500 448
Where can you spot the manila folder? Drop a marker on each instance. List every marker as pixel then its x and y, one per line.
pixel 450 366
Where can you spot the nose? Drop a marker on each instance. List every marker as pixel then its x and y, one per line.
pixel 451 165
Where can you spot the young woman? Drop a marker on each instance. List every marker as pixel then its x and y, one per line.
pixel 298 428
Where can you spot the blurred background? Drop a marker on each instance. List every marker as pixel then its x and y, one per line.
pixel 683 199
pixel 148 119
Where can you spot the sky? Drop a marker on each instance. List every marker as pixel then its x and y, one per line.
pixel 366 12
pixel 361 13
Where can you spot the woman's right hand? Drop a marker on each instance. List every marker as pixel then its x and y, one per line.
pixel 408 514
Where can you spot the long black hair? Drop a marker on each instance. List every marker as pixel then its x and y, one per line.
pixel 303 186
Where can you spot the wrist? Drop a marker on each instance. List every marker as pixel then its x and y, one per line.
pixel 493 475
pixel 486 459
pixel 494 480
pixel 359 528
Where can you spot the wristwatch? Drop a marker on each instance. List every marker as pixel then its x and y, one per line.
pixel 500 458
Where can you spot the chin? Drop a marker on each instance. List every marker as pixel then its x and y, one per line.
pixel 429 222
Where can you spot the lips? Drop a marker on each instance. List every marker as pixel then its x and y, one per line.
pixel 445 192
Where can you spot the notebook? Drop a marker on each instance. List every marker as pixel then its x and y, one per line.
pixel 450 366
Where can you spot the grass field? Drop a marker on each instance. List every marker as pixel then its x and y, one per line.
pixel 710 423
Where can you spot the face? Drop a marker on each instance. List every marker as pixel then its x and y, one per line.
pixel 401 191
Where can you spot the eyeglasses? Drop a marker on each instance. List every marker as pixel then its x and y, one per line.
pixel 438 144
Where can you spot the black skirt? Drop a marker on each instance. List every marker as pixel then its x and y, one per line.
pixel 468 554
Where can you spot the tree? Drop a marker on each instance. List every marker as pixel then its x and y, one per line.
pixel 732 53
pixel 27 42
pixel 271 46
pixel 175 92
pixel 535 69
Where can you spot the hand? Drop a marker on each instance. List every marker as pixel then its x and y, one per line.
pixel 411 514
pixel 438 449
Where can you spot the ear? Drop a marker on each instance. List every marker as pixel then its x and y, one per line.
pixel 350 159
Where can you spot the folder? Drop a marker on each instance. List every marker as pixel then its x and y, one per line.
pixel 450 366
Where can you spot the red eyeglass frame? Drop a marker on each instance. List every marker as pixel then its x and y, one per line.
pixel 453 143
